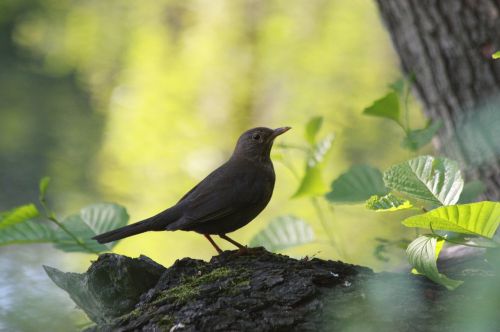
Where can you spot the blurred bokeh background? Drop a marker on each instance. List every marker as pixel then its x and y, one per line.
pixel 134 102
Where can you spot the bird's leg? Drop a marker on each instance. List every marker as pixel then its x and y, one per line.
pixel 227 238
pixel 219 250
pixel 243 250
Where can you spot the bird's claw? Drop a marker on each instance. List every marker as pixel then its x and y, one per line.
pixel 249 251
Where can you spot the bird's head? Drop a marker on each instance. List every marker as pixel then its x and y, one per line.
pixel 256 143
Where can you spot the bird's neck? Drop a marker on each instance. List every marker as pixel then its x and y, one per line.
pixel 254 159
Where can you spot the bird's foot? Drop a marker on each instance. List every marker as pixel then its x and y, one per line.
pixel 250 251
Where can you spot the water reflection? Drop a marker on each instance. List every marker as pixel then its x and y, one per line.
pixel 29 301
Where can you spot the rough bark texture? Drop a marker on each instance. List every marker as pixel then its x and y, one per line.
pixel 262 291
pixel 448 45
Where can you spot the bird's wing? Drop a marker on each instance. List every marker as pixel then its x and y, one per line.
pixel 188 193
pixel 222 193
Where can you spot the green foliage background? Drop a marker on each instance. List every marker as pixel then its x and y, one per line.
pixel 135 101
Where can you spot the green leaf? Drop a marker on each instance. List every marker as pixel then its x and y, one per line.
pixel 277 156
pixel 471 191
pixel 472 241
pixel 388 202
pixel 423 253
pixel 496 55
pixel 92 220
pixel 18 215
pixel 313 126
pixel 283 233
pixel 356 185
pixel 398 86
pixel 82 231
pixel 434 180
pixel 104 217
pixel 480 219
pixel 403 85
pixel 44 184
pixel 28 231
pixel 381 250
pixel 386 107
pixel 415 139
pixel 312 183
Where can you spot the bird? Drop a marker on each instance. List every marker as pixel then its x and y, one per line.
pixel 224 201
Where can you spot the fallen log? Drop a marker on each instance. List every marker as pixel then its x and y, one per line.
pixel 262 291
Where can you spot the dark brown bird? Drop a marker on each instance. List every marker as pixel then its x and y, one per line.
pixel 226 200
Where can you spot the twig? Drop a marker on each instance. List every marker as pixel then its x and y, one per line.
pixel 52 217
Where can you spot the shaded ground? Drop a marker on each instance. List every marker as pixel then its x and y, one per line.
pixel 262 291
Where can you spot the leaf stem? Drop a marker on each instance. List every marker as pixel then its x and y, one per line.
pixel 324 224
pixel 290 168
pixel 52 217
pixel 317 208
pixel 406 108
pixel 462 243
pixel 446 239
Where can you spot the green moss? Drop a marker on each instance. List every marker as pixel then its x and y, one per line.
pixel 181 293
pixel 131 315
pixel 189 289
pixel 190 286
pixel 221 272
pixel 237 285
pixel 166 322
pixel 242 283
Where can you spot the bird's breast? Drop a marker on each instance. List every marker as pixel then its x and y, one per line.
pixel 258 184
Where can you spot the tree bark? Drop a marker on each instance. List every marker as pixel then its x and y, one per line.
pixel 447 45
pixel 261 291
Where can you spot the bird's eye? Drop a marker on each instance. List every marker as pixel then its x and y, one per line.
pixel 256 137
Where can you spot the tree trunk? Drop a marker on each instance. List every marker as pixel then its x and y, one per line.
pixel 447 45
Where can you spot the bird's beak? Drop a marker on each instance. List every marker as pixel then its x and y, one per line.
pixel 279 131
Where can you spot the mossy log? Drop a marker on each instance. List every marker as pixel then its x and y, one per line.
pixel 262 291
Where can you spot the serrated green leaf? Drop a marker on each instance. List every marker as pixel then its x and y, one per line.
pixel 44 184
pixel 471 191
pixel 356 185
pixel 104 217
pixel 92 220
pixel 388 202
pixel 82 231
pixel 18 214
pixel 496 55
pixel 313 126
pixel 386 107
pixel 480 219
pixel 423 253
pixel 434 180
pixel 415 139
pixel 312 183
pixel 28 231
pixel 283 233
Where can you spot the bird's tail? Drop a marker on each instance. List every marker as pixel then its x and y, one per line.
pixel 126 231
pixel 155 223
